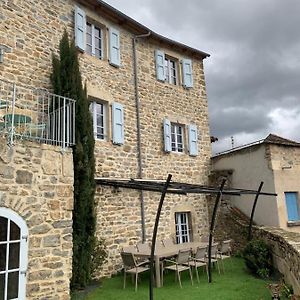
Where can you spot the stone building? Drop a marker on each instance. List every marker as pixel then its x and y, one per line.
pixel 275 161
pixel 148 101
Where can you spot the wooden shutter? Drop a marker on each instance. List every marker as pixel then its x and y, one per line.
pixel 80 28
pixel 160 65
pixel 114 47
pixel 193 140
pixel 187 73
pixel 167 135
pixel 291 201
pixel 118 123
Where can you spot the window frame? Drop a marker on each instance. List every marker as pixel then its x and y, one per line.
pixel 175 135
pixel 93 110
pixel 94 26
pixel 169 68
pixel 183 235
pixel 297 205
pixel 11 216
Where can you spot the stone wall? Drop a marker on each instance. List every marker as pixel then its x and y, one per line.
pixel 36 181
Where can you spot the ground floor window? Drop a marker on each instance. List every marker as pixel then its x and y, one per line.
pixel 13 255
pixel 292 206
pixel 183 227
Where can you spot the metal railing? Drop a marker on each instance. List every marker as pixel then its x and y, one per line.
pixel 35 114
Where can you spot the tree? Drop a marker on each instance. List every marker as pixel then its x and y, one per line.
pixel 66 81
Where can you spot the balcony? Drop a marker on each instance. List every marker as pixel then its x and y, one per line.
pixel 28 113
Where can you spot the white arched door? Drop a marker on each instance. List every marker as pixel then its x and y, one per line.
pixel 13 255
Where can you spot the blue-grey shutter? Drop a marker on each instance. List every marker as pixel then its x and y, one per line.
pixel 118 123
pixel 114 47
pixel 160 65
pixel 187 73
pixel 80 28
pixel 167 135
pixel 193 140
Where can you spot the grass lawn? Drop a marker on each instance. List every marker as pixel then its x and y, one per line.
pixel 235 284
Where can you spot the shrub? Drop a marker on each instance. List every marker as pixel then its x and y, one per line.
pixel 99 255
pixel 258 258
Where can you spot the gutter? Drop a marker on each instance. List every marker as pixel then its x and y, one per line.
pixel 138 127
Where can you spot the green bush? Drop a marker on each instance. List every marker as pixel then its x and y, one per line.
pixel 258 258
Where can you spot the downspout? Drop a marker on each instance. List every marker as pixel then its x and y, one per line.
pixel 138 127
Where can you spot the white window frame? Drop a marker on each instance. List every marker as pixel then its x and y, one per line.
pixel 94 38
pixel 182 227
pixel 11 216
pixel 176 146
pixel 169 69
pixel 93 110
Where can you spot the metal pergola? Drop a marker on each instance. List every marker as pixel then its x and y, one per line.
pixel 169 187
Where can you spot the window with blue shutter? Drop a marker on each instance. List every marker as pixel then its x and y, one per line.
pixel 291 200
pixel 160 65
pixel 167 135
pixel 193 140
pixel 118 123
pixel 114 47
pixel 80 28
pixel 187 73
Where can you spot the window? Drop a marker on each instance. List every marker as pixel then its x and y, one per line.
pixel 177 137
pixel 291 200
pixel 94 40
pixel 99 115
pixel 13 255
pixel 170 71
pixel 183 227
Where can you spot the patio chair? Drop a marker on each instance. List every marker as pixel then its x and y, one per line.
pixel 181 264
pixel 224 251
pixel 214 255
pixel 199 260
pixel 143 247
pixel 132 267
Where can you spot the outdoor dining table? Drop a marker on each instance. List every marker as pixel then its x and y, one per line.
pixel 165 252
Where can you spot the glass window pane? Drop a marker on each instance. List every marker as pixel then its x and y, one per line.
pixel 2 284
pixel 14 231
pixel 89 28
pixel 13 285
pixel 2 257
pixel 14 256
pixel 89 49
pixel 3 229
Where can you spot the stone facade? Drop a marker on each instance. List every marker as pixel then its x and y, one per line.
pixel 33 29
pixel 36 182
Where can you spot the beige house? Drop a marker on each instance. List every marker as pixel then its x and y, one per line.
pixel 276 162
pixel 148 101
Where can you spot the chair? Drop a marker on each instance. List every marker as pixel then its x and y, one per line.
pixel 132 267
pixel 181 264
pixel 214 255
pixel 199 260
pixel 133 249
pixel 224 251
pixel 143 247
pixel 168 242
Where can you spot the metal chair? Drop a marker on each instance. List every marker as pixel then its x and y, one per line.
pixel 214 255
pixel 181 264
pixel 224 251
pixel 132 267
pixel 199 260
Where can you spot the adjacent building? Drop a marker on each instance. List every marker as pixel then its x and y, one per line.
pixel 148 101
pixel 275 161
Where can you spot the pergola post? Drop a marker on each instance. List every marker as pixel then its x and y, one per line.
pixel 212 227
pixel 162 198
pixel 253 211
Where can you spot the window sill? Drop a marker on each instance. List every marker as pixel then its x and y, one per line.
pixel 293 223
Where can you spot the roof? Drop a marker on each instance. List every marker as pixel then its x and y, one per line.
pixel 270 139
pixel 156 185
pixel 136 27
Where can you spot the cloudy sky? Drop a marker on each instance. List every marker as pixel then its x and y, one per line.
pixel 253 74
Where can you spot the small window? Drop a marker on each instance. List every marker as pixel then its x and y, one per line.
pixel 94 37
pixel 171 71
pixel 99 115
pixel 183 227
pixel 291 200
pixel 177 135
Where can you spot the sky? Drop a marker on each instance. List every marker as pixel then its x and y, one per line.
pixel 253 74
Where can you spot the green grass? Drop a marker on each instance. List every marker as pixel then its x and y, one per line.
pixel 235 284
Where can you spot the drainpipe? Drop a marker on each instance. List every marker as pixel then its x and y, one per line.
pixel 138 127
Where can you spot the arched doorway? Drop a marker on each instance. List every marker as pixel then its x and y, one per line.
pixel 13 255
